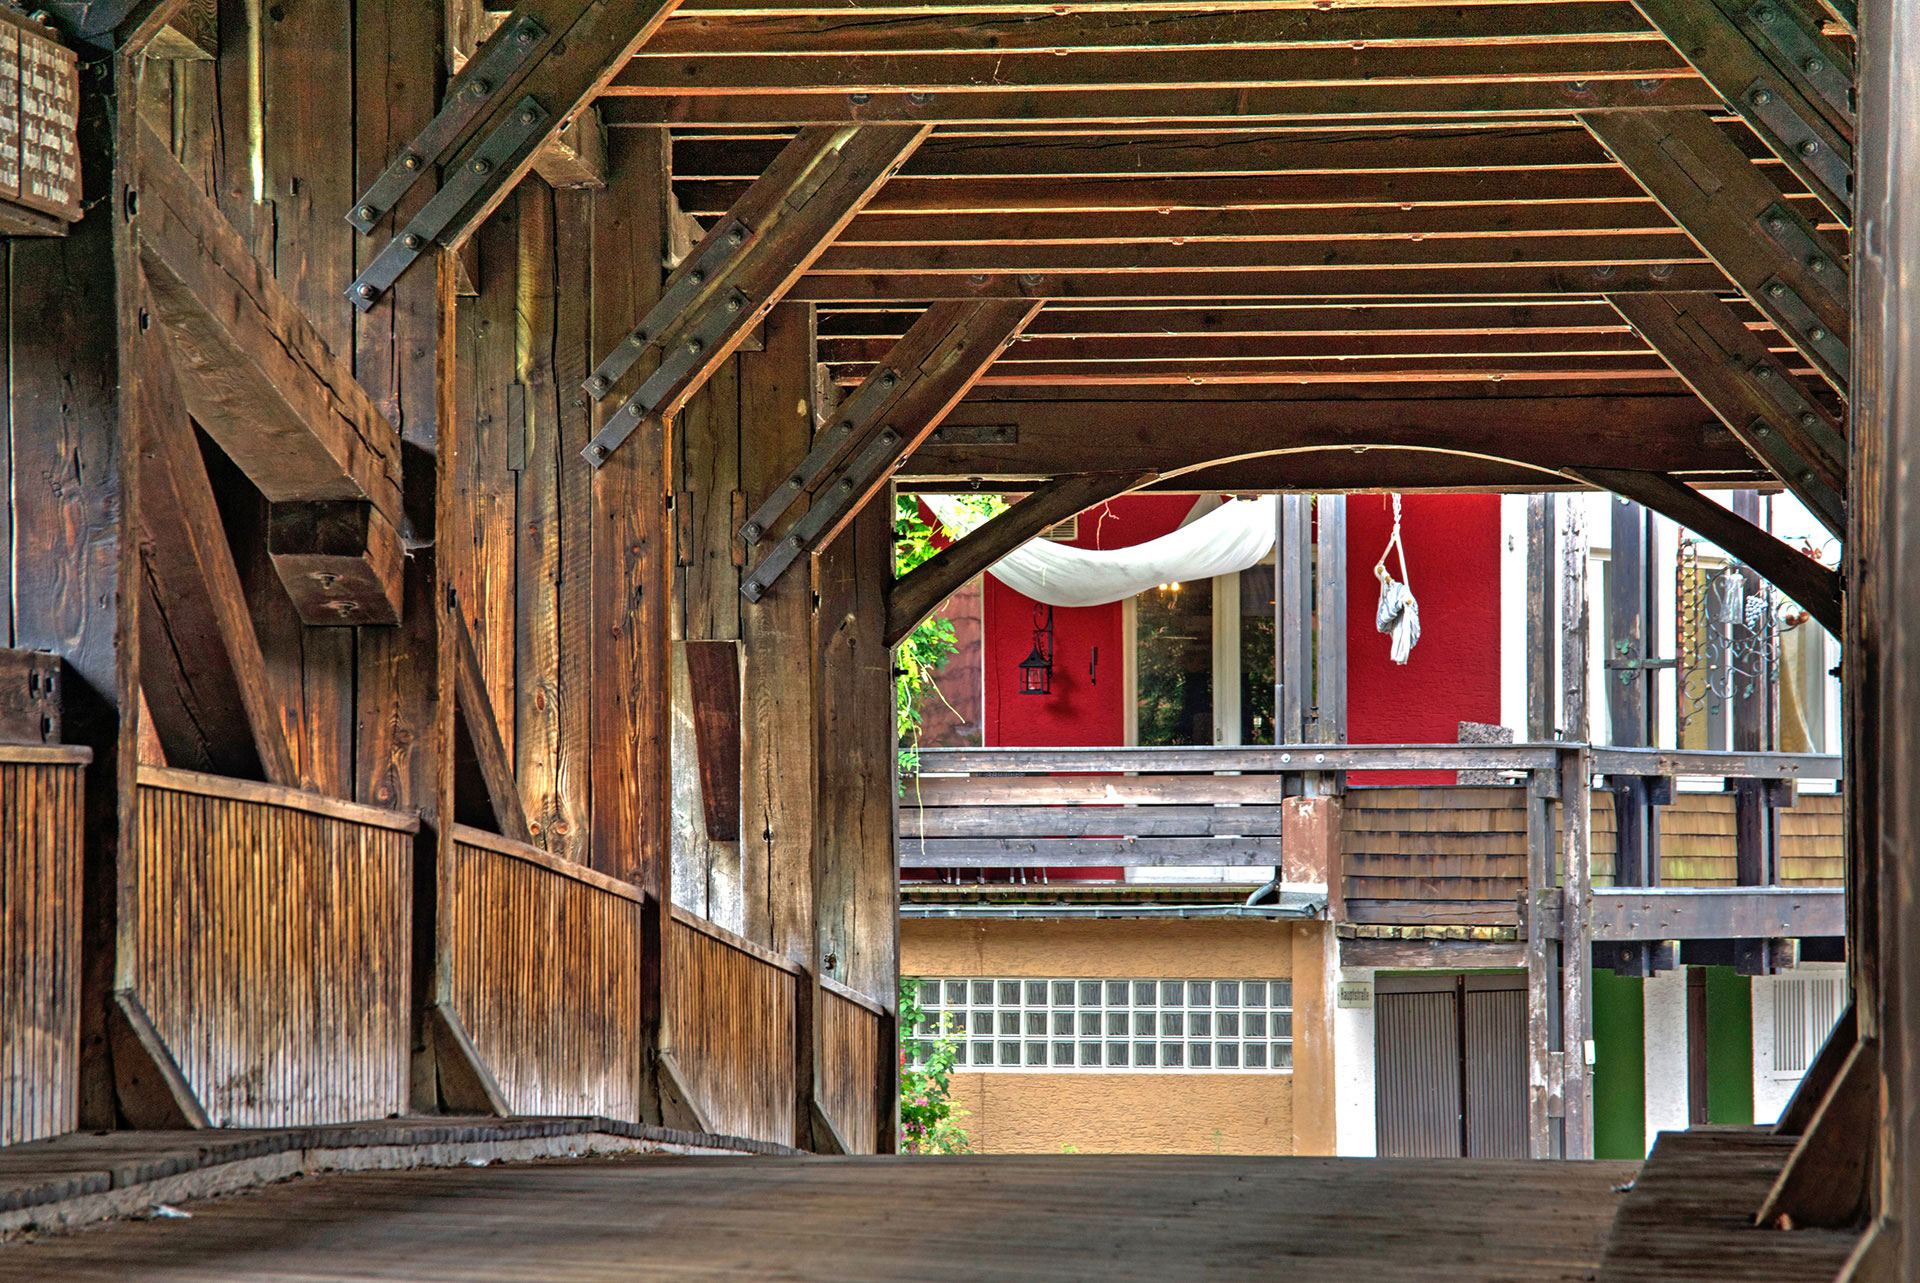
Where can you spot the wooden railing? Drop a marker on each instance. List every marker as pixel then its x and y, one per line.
pixel 542 968
pixel 267 933
pixel 40 850
pixel 854 1042
pixel 729 1024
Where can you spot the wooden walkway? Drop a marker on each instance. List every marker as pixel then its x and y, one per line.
pixel 1111 1218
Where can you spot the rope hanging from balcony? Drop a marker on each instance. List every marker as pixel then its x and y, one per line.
pixel 1398 614
pixel 1237 534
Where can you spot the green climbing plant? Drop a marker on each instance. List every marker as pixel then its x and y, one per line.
pixel 929 1120
pixel 930 645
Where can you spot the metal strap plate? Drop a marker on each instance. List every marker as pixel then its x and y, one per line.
pixel 880 454
pixel 1790 232
pixel 975 434
pixel 849 417
pixel 1788 464
pixel 1791 311
pixel 1820 68
pixel 720 246
pixel 509 50
pixel 483 170
pixel 686 354
pixel 1769 108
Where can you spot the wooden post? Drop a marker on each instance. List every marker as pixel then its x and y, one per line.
pixel 1293 609
pixel 1330 619
pixel 1752 732
pixel 1541 571
pixel 1543 917
pixel 632 567
pixel 1576 949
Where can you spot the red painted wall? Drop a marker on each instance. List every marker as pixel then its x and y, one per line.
pixel 1453 674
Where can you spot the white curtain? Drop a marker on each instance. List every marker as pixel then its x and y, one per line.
pixel 1232 537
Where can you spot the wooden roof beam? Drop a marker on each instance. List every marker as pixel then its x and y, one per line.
pixel 744 266
pixel 1770 250
pixel 1729 367
pixel 1429 282
pixel 919 592
pixel 881 423
pixel 1815 588
pixel 1784 78
pixel 1118 107
pixel 860 32
pixel 260 380
pixel 1010 436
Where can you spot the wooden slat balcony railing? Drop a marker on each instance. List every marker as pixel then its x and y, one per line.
pixel 266 933
pixel 542 968
pixel 854 1042
pixel 729 1023
pixel 40 848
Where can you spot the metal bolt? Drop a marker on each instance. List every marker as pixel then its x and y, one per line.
pixel 1808 148
pixel 481 165
pixel 599 452
pixel 889 436
pixel 366 291
pixel 887 380
pixel 1807 419
pixel 412 240
pixel 733 305
pixel 751 532
pixel 1816 264
pixel 696 347
pixel 1817 333
pixel 410 161
pixel 524 35
pixel 1806 478
pixel 1761 97
pixel 918 99
pixel 1763 16
pixel 846 485
pixel 736 236
pixel 1762 371
pixel 528 117
pixel 858 100
pixel 1814 66
pixel 1763 430
pixel 479 89
pixel 637 339
pixel 368 213
pixel 794 482
pixel 1776 290
pixel 596 385
pixel 1776 223
pixel 1578 86
pixel 794 542
pixel 697 276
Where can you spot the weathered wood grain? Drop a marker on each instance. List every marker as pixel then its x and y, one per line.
pixel 729 1022
pixel 40 870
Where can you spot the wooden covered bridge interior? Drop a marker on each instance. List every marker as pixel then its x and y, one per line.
pixel 450 588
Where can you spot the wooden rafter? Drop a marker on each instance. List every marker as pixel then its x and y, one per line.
pixel 1769 86
pixel 260 380
pixel 901 403
pixel 1752 391
pixel 746 265
pixel 1800 577
pixel 919 592
pixel 1744 222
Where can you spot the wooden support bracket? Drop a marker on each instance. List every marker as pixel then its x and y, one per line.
pixel 826 1135
pixel 919 592
pixel 924 376
pixel 1826 1183
pixel 467 1086
pixel 1756 54
pixel 259 379
pixel 1752 391
pixel 153 1094
pixel 679 1107
pixel 1799 576
pixel 1706 183
pixel 481 755
pixel 713 673
pixel 1818 1081
pixel 746 265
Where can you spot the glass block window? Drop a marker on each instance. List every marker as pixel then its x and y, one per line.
pixel 1118 1026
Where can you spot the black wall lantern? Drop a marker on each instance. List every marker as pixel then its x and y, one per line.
pixel 1036 670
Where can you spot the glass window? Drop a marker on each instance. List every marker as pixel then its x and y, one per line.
pixel 1173 656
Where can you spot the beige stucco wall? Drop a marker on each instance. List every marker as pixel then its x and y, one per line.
pixel 1125 1112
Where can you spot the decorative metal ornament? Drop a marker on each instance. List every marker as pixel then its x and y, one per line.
pixel 1036 670
pixel 1729 636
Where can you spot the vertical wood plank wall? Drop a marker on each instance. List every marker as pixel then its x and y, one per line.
pixel 543 970
pixel 851 1029
pixel 268 933
pixel 40 852
pixel 729 1018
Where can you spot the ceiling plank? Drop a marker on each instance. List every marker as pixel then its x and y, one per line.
pixel 1777 257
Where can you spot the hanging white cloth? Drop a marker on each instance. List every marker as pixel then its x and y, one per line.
pixel 1398 614
pixel 1232 537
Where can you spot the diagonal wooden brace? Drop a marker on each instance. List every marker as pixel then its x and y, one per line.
pixel 768 240
pixel 1754 394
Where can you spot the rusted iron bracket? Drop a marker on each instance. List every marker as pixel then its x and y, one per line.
pixel 721 245
pixel 851 419
pixel 675 365
pixel 1803 55
pixel 881 454
pixel 1790 133
pixel 440 218
pixel 478 83
pixel 1791 233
